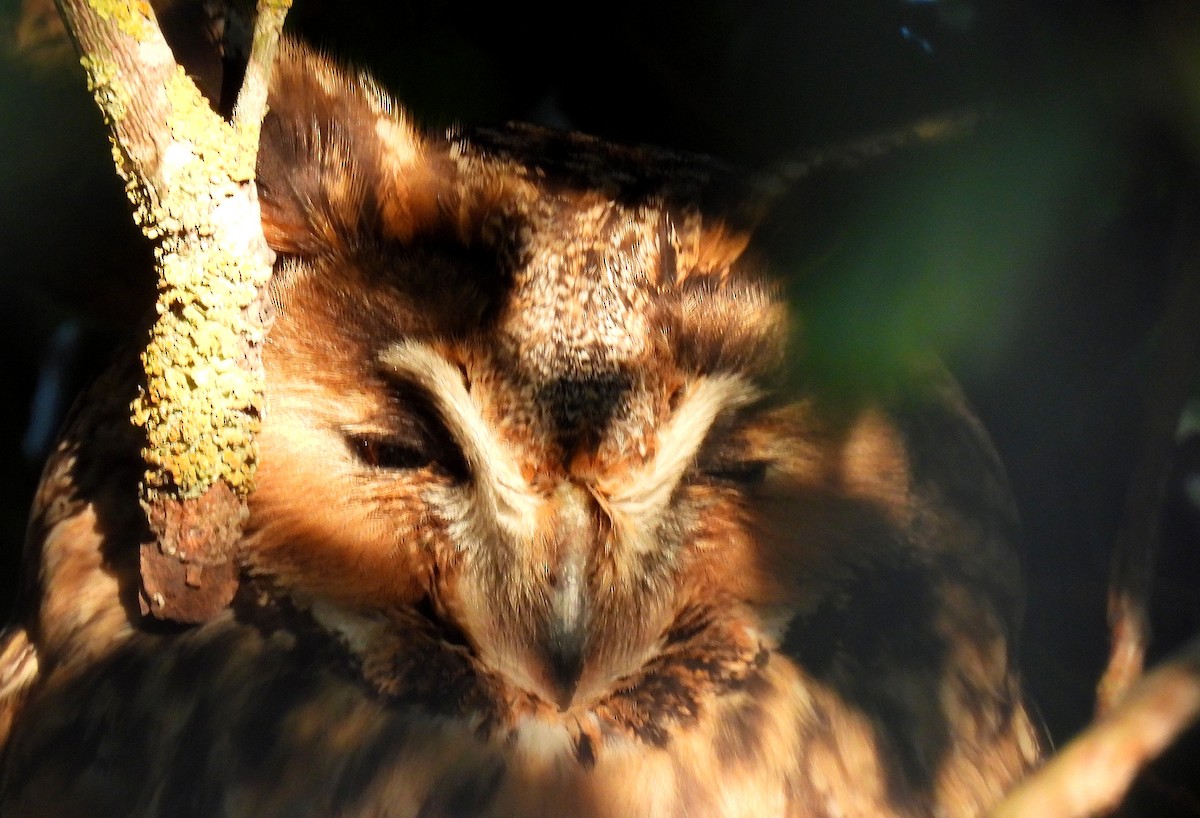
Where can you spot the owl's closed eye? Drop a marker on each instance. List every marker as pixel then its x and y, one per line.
pixel 537 530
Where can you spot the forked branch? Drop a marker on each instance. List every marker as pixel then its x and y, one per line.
pixel 190 177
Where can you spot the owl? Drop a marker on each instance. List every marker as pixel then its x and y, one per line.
pixel 545 521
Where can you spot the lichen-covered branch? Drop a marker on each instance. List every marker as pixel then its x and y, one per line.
pixel 251 104
pixel 190 177
pixel 1093 773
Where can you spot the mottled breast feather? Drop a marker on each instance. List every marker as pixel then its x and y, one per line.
pixel 539 529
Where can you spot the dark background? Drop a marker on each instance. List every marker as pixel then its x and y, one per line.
pixel 1037 254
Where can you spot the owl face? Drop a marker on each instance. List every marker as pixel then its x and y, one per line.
pixel 519 390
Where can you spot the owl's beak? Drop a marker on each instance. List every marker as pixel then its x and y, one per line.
pixel 566 635
pixel 567 632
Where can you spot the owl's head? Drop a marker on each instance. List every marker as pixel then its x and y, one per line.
pixel 521 392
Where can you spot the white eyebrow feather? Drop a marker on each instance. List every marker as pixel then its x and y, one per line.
pixel 638 501
pixel 635 503
pixel 499 480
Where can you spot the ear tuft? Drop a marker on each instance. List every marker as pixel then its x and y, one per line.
pixel 340 163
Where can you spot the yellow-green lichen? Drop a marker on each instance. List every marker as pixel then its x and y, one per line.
pixel 229 152
pixel 132 18
pixel 103 81
pixel 140 195
pixel 200 405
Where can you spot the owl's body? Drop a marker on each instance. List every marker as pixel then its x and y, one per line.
pixel 535 533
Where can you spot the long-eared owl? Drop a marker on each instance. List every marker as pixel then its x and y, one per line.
pixel 545 523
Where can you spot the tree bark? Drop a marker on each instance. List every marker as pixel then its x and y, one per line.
pixel 190 177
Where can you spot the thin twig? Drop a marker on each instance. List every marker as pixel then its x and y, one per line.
pixel 251 104
pixel 854 154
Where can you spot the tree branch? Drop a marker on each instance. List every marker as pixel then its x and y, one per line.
pixel 190 176
pixel 1091 775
